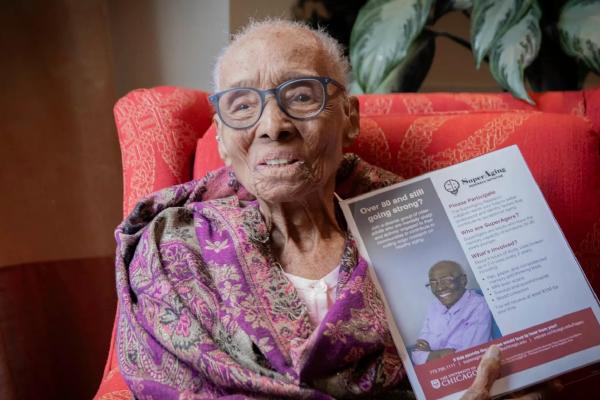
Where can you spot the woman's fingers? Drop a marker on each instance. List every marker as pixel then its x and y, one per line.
pixel 488 369
pixel 487 372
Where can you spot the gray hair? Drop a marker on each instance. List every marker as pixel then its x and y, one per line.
pixel 332 48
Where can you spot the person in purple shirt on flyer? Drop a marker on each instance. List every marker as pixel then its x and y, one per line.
pixel 458 318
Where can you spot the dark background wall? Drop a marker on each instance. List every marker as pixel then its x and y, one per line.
pixel 64 64
pixel 59 158
pixel 60 197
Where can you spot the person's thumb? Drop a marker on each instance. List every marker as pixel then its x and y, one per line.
pixel 488 369
pixel 487 372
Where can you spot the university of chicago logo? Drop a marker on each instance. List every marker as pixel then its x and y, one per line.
pixel 451 186
pixel 435 383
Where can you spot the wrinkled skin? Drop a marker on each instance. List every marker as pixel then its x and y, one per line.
pixel 315 143
pixel 296 199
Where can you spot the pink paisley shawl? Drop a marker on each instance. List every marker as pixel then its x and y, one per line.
pixel 204 313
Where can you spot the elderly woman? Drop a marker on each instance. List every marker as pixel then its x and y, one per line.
pixel 246 282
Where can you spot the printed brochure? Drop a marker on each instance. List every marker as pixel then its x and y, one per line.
pixel 468 256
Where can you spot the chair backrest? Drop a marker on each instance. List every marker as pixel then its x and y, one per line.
pixel 158 129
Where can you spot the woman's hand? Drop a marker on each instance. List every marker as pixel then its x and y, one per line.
pixel 489 370
pixel 487 373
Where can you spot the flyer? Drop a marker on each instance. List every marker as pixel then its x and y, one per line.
pixel 468 256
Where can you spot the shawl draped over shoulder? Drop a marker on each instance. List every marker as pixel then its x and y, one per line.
pixel 204 313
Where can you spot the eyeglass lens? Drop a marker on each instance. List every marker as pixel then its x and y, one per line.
pixel 301 98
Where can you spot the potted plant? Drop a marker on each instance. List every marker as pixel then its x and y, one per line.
pixel 551 44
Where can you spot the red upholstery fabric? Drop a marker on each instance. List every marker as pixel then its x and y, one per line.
pixel 158 129
pixel 417 103
pixel 207 155
pixel 592 107
pixel 573 103
pixel 406 133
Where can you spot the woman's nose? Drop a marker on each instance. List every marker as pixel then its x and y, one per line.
pixel 274 124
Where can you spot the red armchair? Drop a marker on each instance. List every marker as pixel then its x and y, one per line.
pixel 166 138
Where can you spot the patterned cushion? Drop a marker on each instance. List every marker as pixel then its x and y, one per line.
pixel 418 103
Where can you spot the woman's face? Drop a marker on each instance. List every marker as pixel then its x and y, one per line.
pixel 281 159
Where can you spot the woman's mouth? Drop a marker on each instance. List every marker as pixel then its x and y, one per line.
pixel 275 162
pixel 279 160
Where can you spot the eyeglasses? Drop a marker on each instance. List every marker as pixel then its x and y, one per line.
pixel 446 281
pixel 300 98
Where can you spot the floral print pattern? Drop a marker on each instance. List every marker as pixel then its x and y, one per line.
pixel 204 311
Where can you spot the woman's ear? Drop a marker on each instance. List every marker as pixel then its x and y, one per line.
pixel 353 120
pixel 220 145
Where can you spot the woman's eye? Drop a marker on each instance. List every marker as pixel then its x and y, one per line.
pixel 302 98
pixel 242 107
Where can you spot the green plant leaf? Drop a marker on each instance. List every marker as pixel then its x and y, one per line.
pixel 442 7
pixel 515 50
pixel 461 4
pixel 411 72
pixel 579 27
pixel 490 19
pixel 355 88
pixel 381 36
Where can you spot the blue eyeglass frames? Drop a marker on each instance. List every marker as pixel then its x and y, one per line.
pixel 300 98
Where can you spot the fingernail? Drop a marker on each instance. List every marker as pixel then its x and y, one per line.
pixel 492 352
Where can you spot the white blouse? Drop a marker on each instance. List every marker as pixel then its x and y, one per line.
pixel 318 295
